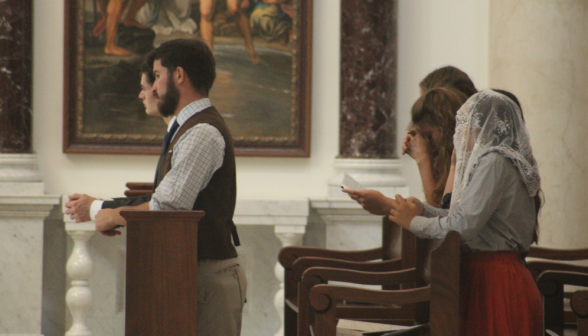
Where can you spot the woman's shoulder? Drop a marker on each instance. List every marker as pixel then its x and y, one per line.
pixel 496 164
pixel 494 159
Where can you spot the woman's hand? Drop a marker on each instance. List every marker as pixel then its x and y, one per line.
pixel 415 145
pixel 372 201
pixel 404 210
pixel 418 203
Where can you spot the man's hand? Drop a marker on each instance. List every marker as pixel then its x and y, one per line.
pixel 78 207
pixel 403 211
pixel 107 220
pixel 372 201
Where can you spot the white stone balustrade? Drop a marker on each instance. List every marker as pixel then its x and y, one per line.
pixel 23 208
pixel 287 217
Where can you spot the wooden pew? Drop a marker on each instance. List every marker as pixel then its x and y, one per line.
pixel 548 259
pixel 161 278
pixel 551 285
pixel 439 299
pixel 304 257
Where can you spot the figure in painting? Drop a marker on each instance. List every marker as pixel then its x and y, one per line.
pixel 167 16
pixel 118 33
pixel 272 20
pixel 207 8
pixel 111 15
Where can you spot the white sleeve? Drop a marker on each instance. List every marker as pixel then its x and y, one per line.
pixel 94 208
pixel 478 202
pixel 197 155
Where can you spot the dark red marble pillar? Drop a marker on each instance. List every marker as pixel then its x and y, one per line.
pixel 15 76
pixel 368 79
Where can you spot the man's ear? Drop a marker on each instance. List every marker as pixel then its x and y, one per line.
pixel 180 75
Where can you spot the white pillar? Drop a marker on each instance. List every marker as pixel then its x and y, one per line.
pixel 289 235
pixel 538 51
pixel 79 269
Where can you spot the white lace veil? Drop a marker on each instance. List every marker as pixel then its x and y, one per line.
pixel 491 122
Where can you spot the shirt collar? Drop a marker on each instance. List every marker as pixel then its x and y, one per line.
pixel 171 123
pixel 191 109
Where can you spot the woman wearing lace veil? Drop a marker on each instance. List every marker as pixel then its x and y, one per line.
pixel 493 208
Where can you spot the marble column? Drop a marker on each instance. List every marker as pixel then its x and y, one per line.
pixel 367 133
pixel 539 51
pixel 368 79
pixel 367 130
pixel 15 76
pixel 23 203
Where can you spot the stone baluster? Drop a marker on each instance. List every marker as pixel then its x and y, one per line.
pixel 288 235
pixel 79 268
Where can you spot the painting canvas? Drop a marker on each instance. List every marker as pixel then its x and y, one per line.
pixel 262 87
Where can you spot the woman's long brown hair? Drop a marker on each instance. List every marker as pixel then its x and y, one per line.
pixel 436 109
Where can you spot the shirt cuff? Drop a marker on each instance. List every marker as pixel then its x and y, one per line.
pixel 417 224
pixel 94 208
pixel 428 211
pixel 431 211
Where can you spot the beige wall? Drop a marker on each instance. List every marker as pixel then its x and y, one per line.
pixel 432 33
pixel 539 51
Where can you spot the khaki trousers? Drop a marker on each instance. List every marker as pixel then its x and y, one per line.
pixel 221 295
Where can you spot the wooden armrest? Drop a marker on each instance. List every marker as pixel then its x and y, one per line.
pixel 542 266
pixel 323 297
pixel 558 254
pixel 321 275
pixel 139 185
pixel 135 193
pixel 289 254
pixel 304 263
pixel 163 217
pixel 551 282
pixel 579 303
pixel 138 189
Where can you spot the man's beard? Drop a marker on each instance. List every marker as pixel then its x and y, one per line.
pixel 168 103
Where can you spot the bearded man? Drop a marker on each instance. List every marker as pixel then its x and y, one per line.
pixel 196 171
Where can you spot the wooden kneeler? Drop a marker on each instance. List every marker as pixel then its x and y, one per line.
pixel 162 264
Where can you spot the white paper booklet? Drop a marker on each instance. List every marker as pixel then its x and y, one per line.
pixel 350 183
pixel 359 328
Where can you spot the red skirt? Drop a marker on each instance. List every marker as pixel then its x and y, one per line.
pixel 498 296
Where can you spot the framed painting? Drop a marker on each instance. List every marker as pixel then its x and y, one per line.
pixel 263 66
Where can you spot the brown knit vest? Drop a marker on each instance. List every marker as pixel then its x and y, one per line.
pixel 218 198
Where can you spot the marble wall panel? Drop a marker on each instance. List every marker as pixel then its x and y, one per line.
pixel 21 248
pixel 354 236
pixel 15 76
pixel 368 79
pixel 54 274
pixel 539 51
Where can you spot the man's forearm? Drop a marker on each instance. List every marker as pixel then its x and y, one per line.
pixel 142 206
pixel 126 201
